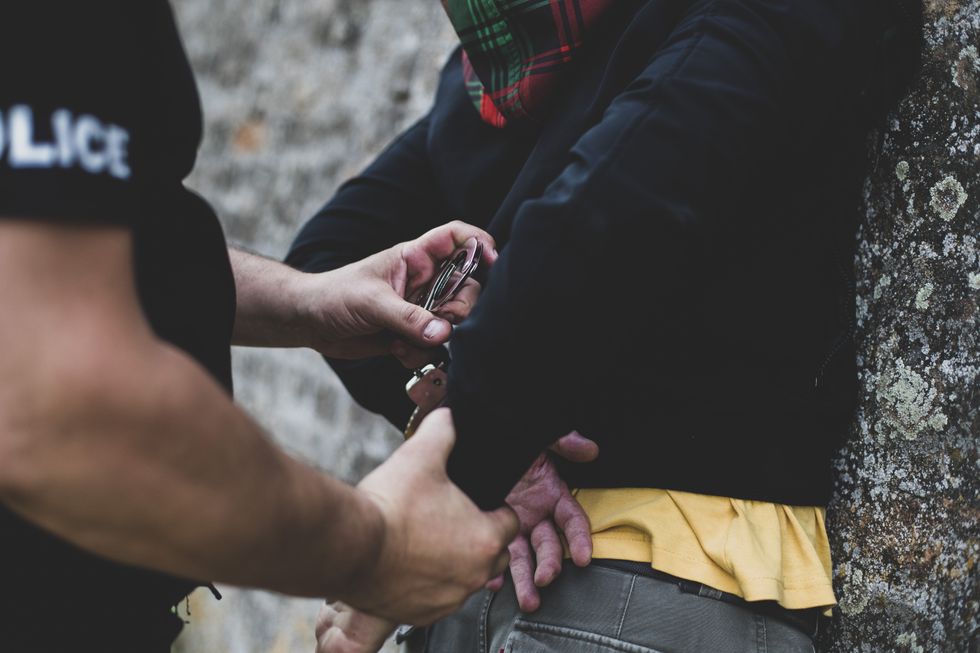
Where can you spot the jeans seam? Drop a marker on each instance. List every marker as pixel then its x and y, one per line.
pixel 483 642
pixel 626 607
pixel 762 644
pixel 524 626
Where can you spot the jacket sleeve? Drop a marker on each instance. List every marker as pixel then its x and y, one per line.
pixel 623 231
pixel 393 200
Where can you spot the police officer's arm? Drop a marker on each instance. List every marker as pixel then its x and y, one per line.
pixel 395 198
pixel 358 310
pixel 124 446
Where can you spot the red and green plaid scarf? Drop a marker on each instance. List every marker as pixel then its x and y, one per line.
pixel 516 52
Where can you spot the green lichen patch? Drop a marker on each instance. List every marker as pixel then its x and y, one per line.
pixel 907 402
pixel 909 642
pixel 966 68
pixel 883 282
pixel 947 197
pixel 922 297
pixel 902 170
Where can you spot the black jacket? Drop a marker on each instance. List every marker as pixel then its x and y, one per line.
pixel 675 270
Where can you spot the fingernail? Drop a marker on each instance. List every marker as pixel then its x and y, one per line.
pixel 433 329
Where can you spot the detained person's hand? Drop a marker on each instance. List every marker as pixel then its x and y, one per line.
pixel 366 309
pixel 438 547
pixel 545 507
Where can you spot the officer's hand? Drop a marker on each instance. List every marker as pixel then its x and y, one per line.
pixel 361 310
pixel 439 547
pixel 545 508
pixel 342 629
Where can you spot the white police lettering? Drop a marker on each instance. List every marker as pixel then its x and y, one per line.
pixel 61 125
pixel 117 145
pixel 24 152
pixel 84 141
pixel 90 144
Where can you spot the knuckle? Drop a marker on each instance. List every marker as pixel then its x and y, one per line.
pixel 323 624
pixel 495 541
pixel 488 550
pixel 412 314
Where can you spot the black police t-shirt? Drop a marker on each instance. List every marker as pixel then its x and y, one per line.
pixel 99 124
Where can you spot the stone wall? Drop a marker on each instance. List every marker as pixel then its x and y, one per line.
pixel 298 95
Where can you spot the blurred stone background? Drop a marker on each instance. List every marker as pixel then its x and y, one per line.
pixel 298 95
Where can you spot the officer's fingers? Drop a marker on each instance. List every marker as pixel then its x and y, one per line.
pixel 409 321
pixel 506 524
pixel 336 640
pixel 409 355
pixel 547 552
pixel 325 620
pixel 433 441
pixel 459 308
pixel 364 633
pixel 439 243
pixel 522 573
pixel 574 523
pixel 500 565
pixel 495 584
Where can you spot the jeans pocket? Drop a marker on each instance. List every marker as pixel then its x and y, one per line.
pixel 533 637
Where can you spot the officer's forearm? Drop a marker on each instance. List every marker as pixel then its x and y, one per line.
pixel 131 451
pixel 270 297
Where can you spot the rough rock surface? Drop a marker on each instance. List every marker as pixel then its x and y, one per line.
pixel 905 522
pixel 297 96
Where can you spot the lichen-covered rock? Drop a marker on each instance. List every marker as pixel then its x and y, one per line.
pixel 905 522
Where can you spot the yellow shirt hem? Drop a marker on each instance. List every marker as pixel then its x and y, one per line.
pixel 753 549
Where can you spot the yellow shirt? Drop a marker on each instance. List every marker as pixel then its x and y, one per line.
pixel 759 551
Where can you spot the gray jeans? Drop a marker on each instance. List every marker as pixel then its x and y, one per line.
pixel 601 610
